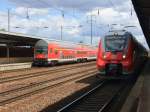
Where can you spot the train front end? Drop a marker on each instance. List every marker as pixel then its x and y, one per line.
pixel 41 53
pixel 115 56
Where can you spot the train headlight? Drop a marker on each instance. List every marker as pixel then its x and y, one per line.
pixel 104 56
pixel 124 56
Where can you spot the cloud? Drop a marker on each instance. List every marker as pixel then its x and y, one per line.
pixel 32 11
pixel 48 13
pixel 77 4
pixel 43 25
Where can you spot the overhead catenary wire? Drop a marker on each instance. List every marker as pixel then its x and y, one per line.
pixel 60 10
pixel 114 6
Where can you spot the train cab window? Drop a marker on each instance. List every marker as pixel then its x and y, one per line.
pixel 41 50
pixel 115 43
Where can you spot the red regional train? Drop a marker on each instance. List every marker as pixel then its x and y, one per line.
pixel 119 55
pixel 51 52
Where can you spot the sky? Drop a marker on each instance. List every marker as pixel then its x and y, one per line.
pixel 45 18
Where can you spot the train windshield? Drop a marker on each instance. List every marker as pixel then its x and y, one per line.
pixel 41 50
pixel 115 43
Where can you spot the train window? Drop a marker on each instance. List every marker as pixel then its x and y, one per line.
pixel 51 50
pixel 56 52
pixel 115 44
pixel 41 50
pixel 81 52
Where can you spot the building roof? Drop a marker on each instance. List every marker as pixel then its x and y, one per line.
pixel 17 39
pixel 142 8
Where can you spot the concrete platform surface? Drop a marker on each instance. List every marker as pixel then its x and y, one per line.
pixel 14 66
pixel 4 60
pixel 144 98
pixel 139 97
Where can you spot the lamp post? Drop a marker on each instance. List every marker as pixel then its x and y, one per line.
pixel 8 22
pixel 61 35
pixel 91 20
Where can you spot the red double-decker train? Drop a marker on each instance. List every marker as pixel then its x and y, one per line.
pixel 119 55
pixel 51 52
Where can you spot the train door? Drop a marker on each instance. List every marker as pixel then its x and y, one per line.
pixel 60 54
pixel 52 52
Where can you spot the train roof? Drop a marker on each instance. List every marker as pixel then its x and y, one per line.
pixel 118 32
pixel 47 41
pixel 123 33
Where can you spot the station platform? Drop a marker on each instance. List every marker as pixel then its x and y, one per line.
pixel 14 54
pixel 11 60
pixel 14 66
pixel 139 97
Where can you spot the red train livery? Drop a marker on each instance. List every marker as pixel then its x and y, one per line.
pixel 119 55
pixel 53 51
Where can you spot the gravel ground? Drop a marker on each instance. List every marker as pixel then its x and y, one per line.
pixel 21 83
pixel 49 97
pixel 36 69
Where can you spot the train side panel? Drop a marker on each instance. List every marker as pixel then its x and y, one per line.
pixel 57 52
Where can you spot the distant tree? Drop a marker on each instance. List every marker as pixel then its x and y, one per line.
pixel 2 29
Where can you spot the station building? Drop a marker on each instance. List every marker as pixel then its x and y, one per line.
pixel 16 48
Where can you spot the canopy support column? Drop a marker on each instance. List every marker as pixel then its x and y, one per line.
pixel 8 53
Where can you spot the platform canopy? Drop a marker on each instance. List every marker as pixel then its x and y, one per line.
pixel 142 8
pixel 17 39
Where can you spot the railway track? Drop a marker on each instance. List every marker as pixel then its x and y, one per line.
pixel 51 67
pixel 23 92
pixel 41 73
pixel 97 99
